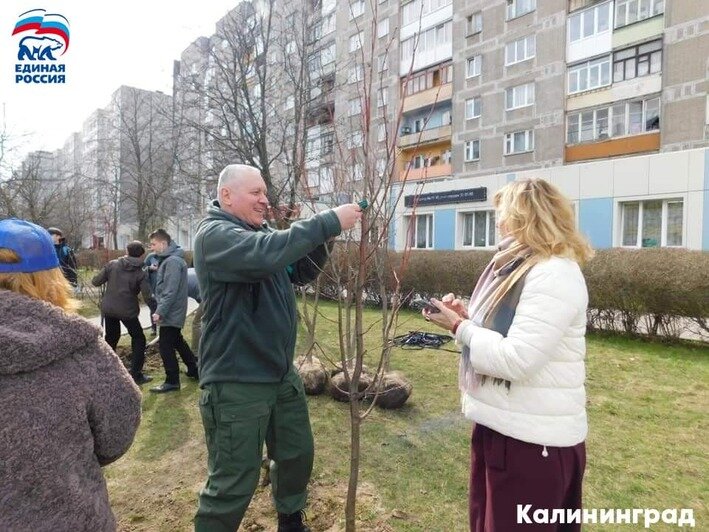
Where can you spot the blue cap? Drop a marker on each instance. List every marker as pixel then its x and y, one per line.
pixel 32 244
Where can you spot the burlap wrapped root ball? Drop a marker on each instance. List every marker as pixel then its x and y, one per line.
pixel 339 387
pixel 394 390
pixel 313 373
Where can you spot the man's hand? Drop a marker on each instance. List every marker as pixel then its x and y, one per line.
pixel 156 318
pixel 348 214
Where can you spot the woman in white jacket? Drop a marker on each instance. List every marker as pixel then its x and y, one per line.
pixel 522 364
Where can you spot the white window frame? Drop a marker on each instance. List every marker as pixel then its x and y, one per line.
pixel 382 62
pixel 356 8
pixel 356 41
pixel 517 8
pixel 509 144
pixel 354 106
pixel 289 103
pixel 580 18
pixel 355 74
pixel 577 116
pixel 381 133
pixel 622 11
pixel 522 96
pixel 472 106
pixel 584 69
pixel 382 97
pixel 469 150
pixel 473 66
pixel 489 225
pixel 663 223
pixel 520 50
pixel 354 140
pixel 411 230
pixel 383 28
pixel 474 23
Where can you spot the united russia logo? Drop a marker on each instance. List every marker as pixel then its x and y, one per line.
pixel 42 39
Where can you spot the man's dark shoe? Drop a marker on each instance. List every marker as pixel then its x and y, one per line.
pixel 165 387
pixel 142 379
pixel 193 374
pixel 292 522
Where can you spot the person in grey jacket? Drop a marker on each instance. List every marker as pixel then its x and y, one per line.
pixel 124 279
pixel 171 293
pixel 69 406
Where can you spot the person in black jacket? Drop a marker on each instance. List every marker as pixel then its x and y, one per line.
pixel 67 260
pixel 124 279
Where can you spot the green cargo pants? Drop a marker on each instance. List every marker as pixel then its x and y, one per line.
pixel 238 418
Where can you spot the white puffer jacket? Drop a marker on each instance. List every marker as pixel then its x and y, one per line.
pixel 542 356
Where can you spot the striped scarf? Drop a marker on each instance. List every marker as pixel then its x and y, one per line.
pixel 494 301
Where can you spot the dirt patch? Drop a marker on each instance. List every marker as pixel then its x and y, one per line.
pixel 153 362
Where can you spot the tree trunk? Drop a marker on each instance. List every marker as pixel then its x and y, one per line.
pixel 355 422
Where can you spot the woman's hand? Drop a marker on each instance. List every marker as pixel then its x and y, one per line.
pixel 453 303
pixel 446 318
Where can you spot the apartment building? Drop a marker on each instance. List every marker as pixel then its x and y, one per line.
pixel 607 99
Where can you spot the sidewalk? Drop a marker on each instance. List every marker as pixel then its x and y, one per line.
pixel 144 316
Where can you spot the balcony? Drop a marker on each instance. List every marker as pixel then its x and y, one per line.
pixel 427 136
pixel 426 98
pixel 427 172
pixel 603 149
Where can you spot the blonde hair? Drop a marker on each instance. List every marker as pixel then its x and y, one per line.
pixel 47 285
pixel 538 215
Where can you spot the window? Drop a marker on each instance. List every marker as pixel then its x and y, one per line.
pixel 474 23
pixel 356 73
pixel 520 96
pixel 357 172
pixel 653 223
pixel 519 142
pixel 517 8
pixel 356 42
pixel 590 75
pixel 479 229
pixel 257 91
pixel 356 8
pixel 290 102
pixel 383 28
pixel 328 24
pixel 629 11
pixel 355 107
pixel 382 63
pixel 473 107
pixel 381 132
pixel 382 97
pixel 427 41
pixel 290 47
pixel 624 118
pixel 637 61
pixel 474 66
pixel 327 180
pixel 472 150
pixel 313 178
pixel 428 79
pixel 354 140
pixel 327 143
pixel 520 50
pixel 590 22
pixel 420 231
pixel 446 118
pixel 413 11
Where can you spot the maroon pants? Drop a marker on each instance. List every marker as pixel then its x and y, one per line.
pixel 506 472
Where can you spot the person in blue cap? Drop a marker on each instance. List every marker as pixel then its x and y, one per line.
pixel 69 405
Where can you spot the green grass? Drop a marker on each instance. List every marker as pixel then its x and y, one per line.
pixel 647 446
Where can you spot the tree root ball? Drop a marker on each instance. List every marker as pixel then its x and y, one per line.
pixel 394 392
pixel 339 388
pixel 313 373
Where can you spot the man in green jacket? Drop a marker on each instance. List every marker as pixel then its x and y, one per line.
pixel 251 393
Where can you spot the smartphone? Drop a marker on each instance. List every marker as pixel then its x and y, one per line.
pixel 431 308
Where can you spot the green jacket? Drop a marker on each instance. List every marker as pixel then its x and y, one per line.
pixel 246 274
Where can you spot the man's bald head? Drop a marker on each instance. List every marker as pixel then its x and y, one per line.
pixel 242 193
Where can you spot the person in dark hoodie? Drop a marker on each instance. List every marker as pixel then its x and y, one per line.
pixel 251 392
pixel 67 260
pixel 171 292
pixel 69 406
pixel 124 279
